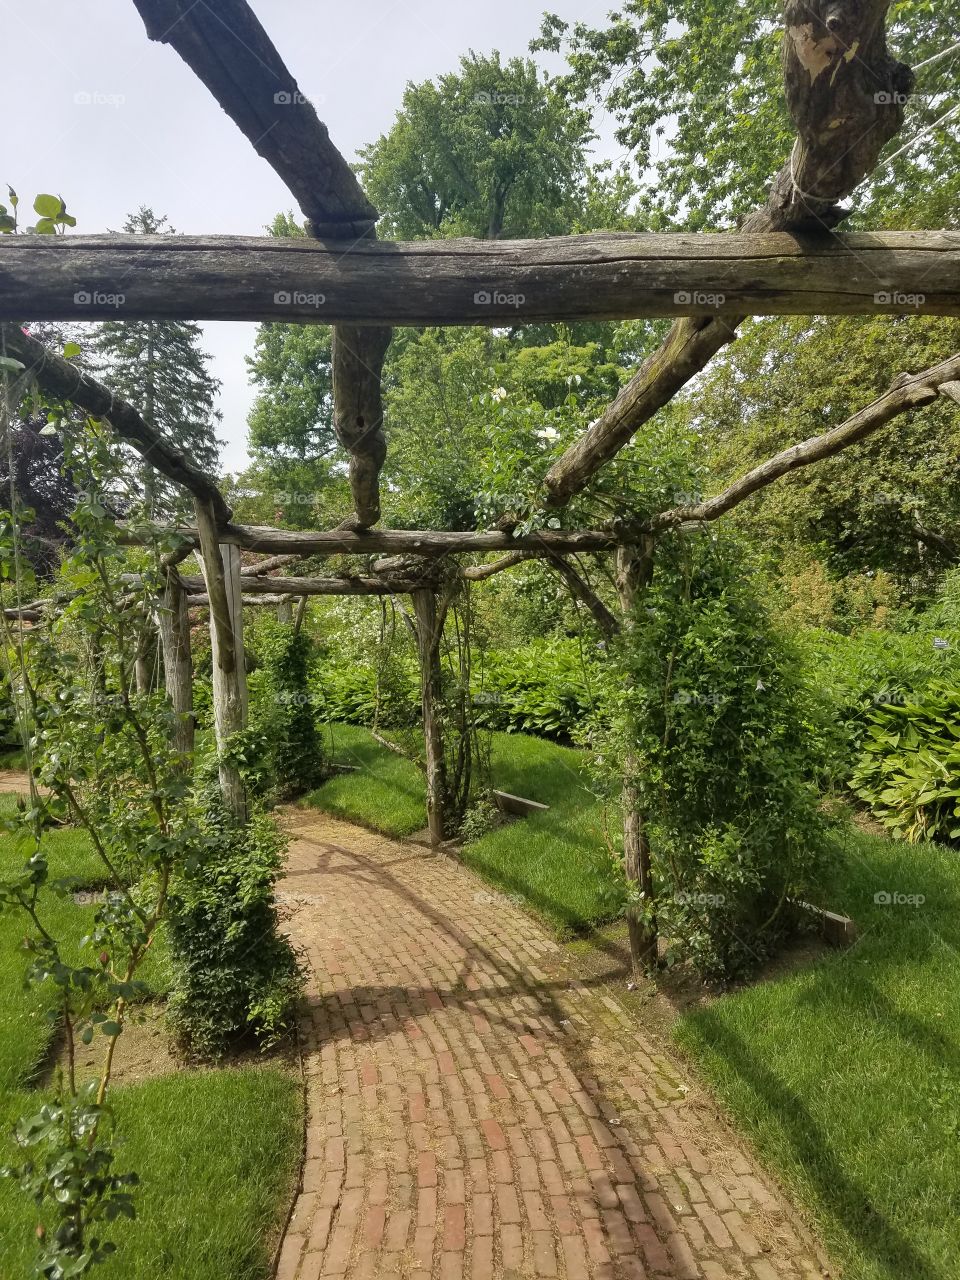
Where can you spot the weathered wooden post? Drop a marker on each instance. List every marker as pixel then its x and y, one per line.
pixel 221 571
pixel 634 573
pixel 430 614
pixel 178 661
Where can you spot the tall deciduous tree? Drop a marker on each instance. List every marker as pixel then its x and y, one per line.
pixel 491 150
pixel 159 366
pixel 697 91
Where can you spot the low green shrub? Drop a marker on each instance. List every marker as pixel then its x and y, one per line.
pixel 909 769
pixel 234 973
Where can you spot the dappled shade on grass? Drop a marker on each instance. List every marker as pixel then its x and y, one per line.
pixel 847 1073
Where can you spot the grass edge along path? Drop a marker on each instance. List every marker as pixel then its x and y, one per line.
pixel 217 1150
pixel 556 862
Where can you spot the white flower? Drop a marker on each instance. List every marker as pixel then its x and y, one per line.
pixel 548 433
pixel 500 393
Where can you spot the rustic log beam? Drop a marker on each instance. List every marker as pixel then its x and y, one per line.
pixel 228 49
pixel 909 391
pixel 333 586
pixel 267 566
pixel 64 381
pixel 430 543
pixel 846 96
pixel 434 282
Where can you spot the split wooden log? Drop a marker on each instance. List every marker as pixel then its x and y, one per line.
pixel 63 381
pixel 434 282
pixel 846 96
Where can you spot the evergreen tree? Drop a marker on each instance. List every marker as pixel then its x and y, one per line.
pixel 159 366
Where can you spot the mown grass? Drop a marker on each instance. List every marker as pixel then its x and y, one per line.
pixel 846 1074
pixel 556 861
pixel 216 1150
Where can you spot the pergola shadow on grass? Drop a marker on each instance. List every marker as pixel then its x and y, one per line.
pixel 846 96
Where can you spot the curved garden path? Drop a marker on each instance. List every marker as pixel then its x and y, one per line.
pixel 476 1109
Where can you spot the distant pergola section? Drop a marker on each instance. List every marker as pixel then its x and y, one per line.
pixel 846 96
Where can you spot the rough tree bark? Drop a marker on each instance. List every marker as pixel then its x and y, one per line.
pixel 846 96
pixel 602 276
pixel 221 567
pixel 429 613
pixel 178 662
pixel 358 356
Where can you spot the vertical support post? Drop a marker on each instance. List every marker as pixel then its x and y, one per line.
pixel 178 662
pixel 285 610
pixel 634 574
pixel 221 571
pixel 357 356
pixel 429 627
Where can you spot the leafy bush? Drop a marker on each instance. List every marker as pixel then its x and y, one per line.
pixel 723 734
pixel 860 674
pixel 540 688
pixel 234 972
pixel 285 748
pixel 909 772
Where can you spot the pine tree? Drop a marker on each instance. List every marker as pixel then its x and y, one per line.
pixel 160 367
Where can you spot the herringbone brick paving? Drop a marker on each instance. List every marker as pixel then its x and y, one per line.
pixel 476 1110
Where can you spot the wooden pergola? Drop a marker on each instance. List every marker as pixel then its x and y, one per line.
pixel 846 96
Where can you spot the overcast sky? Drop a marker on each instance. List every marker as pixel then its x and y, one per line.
pixel 110 121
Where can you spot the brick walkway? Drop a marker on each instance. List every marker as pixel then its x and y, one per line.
pixel 475 1110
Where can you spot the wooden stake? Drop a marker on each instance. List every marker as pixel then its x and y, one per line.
pixel 429 629
pixel 634 572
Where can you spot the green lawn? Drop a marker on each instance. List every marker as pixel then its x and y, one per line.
pixel 216 1150
pixel 556 861
pixel 846 1074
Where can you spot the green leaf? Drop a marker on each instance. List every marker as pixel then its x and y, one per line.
pixel 8 362
pixel 48 206
pixel 70 350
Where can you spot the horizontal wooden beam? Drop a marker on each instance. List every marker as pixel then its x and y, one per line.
pixel 477 282
pixel 334 586
pixel 298 542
